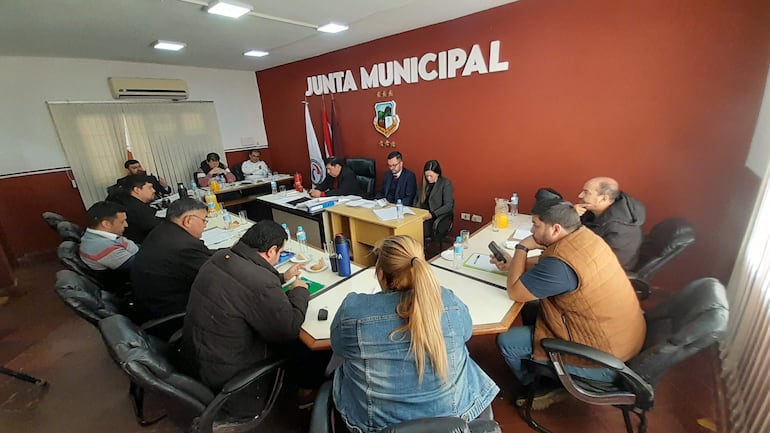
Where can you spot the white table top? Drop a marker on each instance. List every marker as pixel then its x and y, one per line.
pixel 246 184
pixel 489 306
pixel 478 243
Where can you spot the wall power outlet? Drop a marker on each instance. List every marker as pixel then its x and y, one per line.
pixel 465 216
pixel 476 218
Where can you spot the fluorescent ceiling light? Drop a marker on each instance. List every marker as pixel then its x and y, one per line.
pixel 333 28
pixel 168 45
pixel 228 8
pixel 256 53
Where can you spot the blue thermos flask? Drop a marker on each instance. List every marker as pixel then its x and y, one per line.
pixel 342 247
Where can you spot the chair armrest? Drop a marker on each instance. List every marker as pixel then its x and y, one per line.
pixel 446 424
pixel 484 426
pixel 246 377
pixel 320 419
pixel 205 423
pixel 164 327
pixel 583 351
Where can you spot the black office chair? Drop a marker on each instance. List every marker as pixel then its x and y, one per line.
pixel 91 302
pixel 366 173
pixel 69 231
pixel 238 171
pixel 147 363
pixel 69 255
pixel 323 416
pixel 666 240
pixel 687 322
pixel 53 219
pixel 442 226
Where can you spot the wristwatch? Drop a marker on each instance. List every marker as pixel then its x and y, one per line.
pixel 521 247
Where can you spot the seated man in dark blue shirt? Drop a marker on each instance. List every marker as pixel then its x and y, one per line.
pixel 399 182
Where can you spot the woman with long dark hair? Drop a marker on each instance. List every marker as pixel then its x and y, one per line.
pixel 436 195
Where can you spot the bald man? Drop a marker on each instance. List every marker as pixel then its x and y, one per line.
pixel 613 215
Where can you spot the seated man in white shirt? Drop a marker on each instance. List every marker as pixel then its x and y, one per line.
pixel 103 247
pixel 254 167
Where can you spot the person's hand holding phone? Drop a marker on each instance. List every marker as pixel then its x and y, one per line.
pixel 499 258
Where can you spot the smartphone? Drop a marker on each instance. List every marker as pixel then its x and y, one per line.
pixel 497 251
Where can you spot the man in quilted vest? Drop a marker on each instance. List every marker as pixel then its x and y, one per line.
pixel 584 296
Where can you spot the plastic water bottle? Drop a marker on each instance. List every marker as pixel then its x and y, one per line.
pixel 514 205
pixel 458 252
pixel 212 206
pixel 227 218
pixel 194 189
pixel 273 187
pixel 288 232
pixel 301 239
pixel 399 210
pixel 181 190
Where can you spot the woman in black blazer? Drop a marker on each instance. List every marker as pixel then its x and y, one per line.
pixel 436 194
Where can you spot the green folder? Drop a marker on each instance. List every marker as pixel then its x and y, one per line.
pixel 312 286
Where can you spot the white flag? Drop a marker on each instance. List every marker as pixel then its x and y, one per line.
pixel 317 166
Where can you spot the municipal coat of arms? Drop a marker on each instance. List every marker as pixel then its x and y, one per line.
pixel 386 120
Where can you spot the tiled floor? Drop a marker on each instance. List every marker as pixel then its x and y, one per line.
pixel 88 393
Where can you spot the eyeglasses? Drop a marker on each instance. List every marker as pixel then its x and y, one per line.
pixel 196 216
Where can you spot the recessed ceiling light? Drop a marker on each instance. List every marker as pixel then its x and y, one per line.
pixel 256 53
pixel 228 8
pixel 168 45
pixel 333 28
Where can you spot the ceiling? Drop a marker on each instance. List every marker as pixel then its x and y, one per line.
pixel 124 29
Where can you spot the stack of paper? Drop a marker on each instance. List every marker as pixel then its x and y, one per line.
pixel 216 235
pixel 389 213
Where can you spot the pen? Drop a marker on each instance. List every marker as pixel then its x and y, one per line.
pixel 476 259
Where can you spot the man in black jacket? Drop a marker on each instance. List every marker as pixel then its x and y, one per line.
pixel 136 194
pixel 135 167
pixel 615 216
pixel 340 180
pixel 169 259
pixel 238 314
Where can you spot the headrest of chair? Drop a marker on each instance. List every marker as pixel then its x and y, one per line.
pixel 53 219
pixel 667 236
pixel 127 343
pixel 69 231
pixel 699 308
pixel 362 166
pixel 69 250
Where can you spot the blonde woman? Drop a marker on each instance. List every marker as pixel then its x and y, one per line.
pixel 404 348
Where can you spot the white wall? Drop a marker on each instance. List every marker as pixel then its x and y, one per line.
pixel 759 152
pixel 28 139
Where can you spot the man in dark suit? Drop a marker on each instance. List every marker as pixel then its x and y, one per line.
pixel 399 182
pixel 136 194
pixel 166 265
pixel 340 180
pixel 158 183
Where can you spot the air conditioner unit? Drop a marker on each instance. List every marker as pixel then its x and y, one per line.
pixel 150 88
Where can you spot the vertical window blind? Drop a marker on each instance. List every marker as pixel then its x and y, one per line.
pixel 170 139
pixel 745 364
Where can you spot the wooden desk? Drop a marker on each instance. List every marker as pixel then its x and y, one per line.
pixel 364 229
pixel 492 312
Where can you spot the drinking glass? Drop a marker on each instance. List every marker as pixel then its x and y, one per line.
pixel 281 188
pixel 243 216
pixel 465 234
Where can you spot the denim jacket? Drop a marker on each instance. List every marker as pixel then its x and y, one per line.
pixel 377 384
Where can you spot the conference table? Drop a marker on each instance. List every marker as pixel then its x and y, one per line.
pixel 244 191
pixel 476 255
pixel 363 228
pixel 280 208
pixel 491 310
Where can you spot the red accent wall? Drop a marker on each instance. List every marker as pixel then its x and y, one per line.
pixel 662 95
pixel 22 202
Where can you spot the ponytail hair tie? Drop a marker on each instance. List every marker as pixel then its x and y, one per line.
pixel 411 262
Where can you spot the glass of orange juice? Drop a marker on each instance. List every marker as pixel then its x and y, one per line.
pixel 214 185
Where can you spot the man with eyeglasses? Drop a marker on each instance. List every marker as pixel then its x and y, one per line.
pixel 166 265
pixel 399 182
